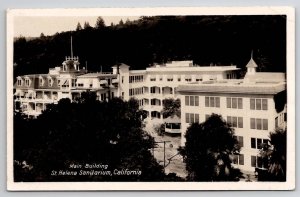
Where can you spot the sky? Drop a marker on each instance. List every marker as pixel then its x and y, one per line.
pixel 33 26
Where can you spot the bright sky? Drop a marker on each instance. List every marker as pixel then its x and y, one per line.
pixel 33 26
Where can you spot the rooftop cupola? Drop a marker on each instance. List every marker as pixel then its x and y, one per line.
pixel 251 66
pixel 72 62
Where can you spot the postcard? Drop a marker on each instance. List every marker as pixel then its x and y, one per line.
pixel 158 98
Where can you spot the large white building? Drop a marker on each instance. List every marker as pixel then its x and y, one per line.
pixel 156 83
pixel 251 105
pixel 254 106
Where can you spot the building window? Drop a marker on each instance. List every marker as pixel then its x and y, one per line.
pixel 240 140
pixel 41 81
pixel 211 101
pixel 235 103
pixel 258 104
pixel 135 79
pixel 122 79
pixel 259 124
pixel 238 159
pixel 236 122
pixel 258 162
pixel 153 79
pixel 50 82
pixel 27 82
pixel 19 82
pixel 257 143
pixel 191 118
pixel 170 79
pixel 178 79
pixel 192 100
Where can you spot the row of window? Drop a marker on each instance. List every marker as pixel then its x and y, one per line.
pixel 258 104
pixel 257 143
pixel 231 102
pixel 258 123
pixel 234 121
pixel 27 82
pixel 154 90
pixel 136 91
pixel 187 79
pixel 191 118
pixel 192 100
pixel 280 119
pixel 237 122
pixel 256 161
pixel 234 103
pixel 240 140
pixel 42 81
pixel 135 79
pixel 238 159
pixel 141 102
pixel 212 101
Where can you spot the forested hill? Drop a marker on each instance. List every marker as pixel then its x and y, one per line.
pixel 220 40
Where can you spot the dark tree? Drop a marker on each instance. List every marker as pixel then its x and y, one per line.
pixel 42 35
pixel 171 107
pixel 78 27
pixel 86 25
pixel 87 131
pixel 207 151
pixel 99 23
pixel 121 22
pixel 276 156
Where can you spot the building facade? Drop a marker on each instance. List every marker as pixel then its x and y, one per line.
pixel 254 106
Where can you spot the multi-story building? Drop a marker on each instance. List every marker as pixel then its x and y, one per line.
pixel 34 92
pixel 156 83
pixel 254 106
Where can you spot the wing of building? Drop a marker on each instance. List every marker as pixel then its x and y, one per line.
pixel 254 106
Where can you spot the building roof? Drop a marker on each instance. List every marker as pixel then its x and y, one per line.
pixel 95 75
pixel 233 86
pixel 193 69
pixel 266 77
pixel 251 64
pixel 172 119
pixel 137 71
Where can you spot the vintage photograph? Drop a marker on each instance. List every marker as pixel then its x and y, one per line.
pixel 179 99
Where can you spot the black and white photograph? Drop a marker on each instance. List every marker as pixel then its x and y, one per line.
pixel 151 99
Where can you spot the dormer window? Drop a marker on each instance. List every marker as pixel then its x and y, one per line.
pixel 50 82
pixel 27 82
pixel 41 81
pixel 19 82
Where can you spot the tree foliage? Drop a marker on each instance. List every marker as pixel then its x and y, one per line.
pixel 78 27
pixel 87 25
pixel 207 151
pixel 86 131
pixel 100 23
pixel 276 156
pixel 171 107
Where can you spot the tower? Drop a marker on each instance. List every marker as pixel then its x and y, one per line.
pixel 251 66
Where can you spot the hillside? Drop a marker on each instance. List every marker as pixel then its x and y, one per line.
pixel 217 40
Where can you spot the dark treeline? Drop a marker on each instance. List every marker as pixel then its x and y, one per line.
pixel 220 40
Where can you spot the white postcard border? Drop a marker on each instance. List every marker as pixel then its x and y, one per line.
pixel 66 186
